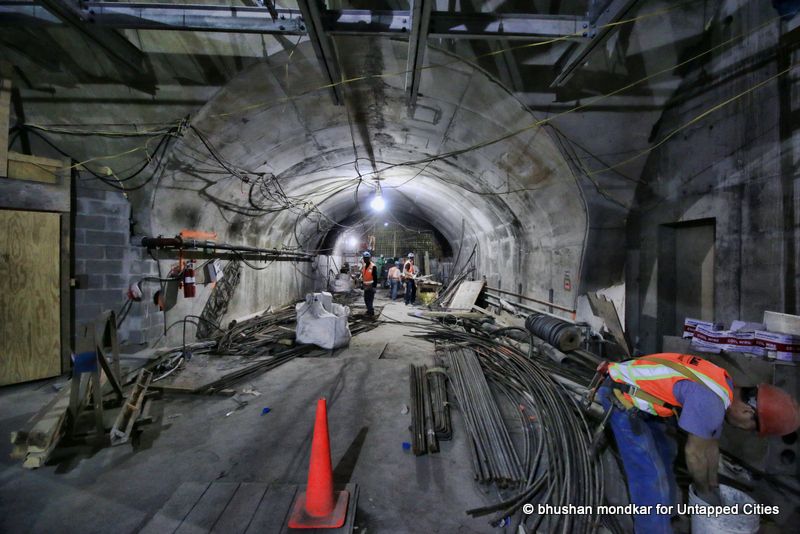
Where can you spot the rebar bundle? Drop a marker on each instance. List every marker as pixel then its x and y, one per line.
pixel 430 413
pixel 552 454
pixel 560 334
pixel 494 457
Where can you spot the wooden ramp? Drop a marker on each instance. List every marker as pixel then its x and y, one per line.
pixel 236 508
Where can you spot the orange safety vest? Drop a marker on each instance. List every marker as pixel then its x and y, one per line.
pixel 656 374
pixel 366 274
pixel 408 270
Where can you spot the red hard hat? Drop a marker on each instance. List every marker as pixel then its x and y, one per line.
pixel 778 412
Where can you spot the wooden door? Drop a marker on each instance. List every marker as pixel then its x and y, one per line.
pixel 30 304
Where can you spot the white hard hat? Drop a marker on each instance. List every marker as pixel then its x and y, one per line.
pixel 411 255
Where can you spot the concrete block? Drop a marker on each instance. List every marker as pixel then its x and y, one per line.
pixel 107 299
pixel 113 281
pixel 89 252
pixel 86 312
pixel 115 252
pixel 97 207
pixel 103 267
pixel 116 197
pixel 106 238
pixel 91 192
pixel 96 281
pixel 93 222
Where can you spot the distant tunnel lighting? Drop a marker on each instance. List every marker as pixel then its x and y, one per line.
pixel 377 203
pixel 352 242
pixel 386 224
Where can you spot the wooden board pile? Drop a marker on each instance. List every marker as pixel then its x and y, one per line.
pixel 35 445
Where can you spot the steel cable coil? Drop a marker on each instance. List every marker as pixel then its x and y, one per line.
pixel 561 334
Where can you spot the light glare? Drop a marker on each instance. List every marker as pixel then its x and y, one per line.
pixel 377 203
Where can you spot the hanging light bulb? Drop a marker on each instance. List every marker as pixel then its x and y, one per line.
pixel 377 202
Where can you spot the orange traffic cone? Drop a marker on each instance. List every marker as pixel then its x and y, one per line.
pixel 319 506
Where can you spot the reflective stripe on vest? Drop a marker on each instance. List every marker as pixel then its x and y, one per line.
pixel 659 380
pixel 366 274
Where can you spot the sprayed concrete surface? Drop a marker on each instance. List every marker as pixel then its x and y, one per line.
pixel 119 489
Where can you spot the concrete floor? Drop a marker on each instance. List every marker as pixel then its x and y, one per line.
pixel 119 489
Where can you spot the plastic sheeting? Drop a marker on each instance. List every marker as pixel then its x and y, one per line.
pixel 322 322
pixel 342 283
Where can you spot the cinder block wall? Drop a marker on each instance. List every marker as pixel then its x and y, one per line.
pixel 105 254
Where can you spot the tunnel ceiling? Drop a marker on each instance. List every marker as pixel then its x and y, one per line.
pixel 316 150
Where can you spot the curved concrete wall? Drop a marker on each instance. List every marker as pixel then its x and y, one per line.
pixel 518 198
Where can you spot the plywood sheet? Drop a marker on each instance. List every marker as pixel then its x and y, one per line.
pixel 605 309
pixel 5 108
pixel 30 324
pixel 466 295
pixel 34 168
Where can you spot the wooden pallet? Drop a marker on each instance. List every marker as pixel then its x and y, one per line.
pixel 232 507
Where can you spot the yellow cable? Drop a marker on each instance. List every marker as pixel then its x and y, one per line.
pixel 696 119
pixel 346 81
pixel 588 103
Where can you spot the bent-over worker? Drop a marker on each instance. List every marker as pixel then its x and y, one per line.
pixel 644 393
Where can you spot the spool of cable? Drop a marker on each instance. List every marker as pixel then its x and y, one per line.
pixel 560 334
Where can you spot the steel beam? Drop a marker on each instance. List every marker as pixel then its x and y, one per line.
pixel 417 44
pixel 397 23
pixel 323 46
pixel 76 16
pixel 196 18
pixel 506 26
pixel 599 30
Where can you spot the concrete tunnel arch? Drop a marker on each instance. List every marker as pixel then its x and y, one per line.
pixel 519 199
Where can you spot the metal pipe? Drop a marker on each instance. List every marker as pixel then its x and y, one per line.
pixel 556 306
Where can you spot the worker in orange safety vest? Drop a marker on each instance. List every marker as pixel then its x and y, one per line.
pixel 642 395
pixel 369 277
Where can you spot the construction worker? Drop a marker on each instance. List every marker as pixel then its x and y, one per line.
pixel 379 263
pixel 394 279
pixel 409 276
pixel 369 277
pixel 644 393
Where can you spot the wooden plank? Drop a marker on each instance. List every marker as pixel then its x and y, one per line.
pixel 175 510
pixel 5 111
pixel 30 322
pixel 35 168
pixel 24 195
pixel 605 309
pixel 466 295
pixel 67 319
pixel 240 510
pixel 208 509
pixel 272 514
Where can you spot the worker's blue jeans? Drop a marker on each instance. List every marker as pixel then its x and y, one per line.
pixel 648 454
pixel 395 285
pixel 411 292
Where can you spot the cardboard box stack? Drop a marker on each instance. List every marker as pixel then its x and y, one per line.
pixel 740 337
pixel 772 339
